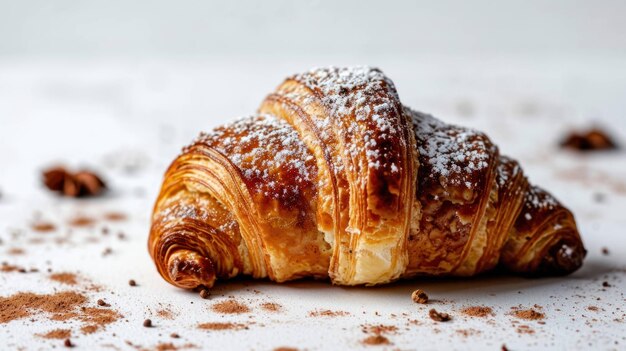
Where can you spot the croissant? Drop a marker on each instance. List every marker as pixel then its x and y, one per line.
pixel 335 178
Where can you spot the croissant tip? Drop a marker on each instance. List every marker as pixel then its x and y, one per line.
pixel 563 258
pixel 191 272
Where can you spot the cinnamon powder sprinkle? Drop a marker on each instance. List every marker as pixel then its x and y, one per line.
pixel 16 251
pixel 64 278
pixel 57 334
pixel 271 307
pixel 23 304
pixel 524 329
pixel 43 227
pixel 82 221
pixel 380 329
pixel 478 311
pixel 165 314
pixel 328 313
pixel 5 267
pixel 376 340
pixel 115 216
pixel 222 326
pixel 230 307
pixel 529 314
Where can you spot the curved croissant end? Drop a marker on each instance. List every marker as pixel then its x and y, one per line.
pixel 544 240
pixel 334 178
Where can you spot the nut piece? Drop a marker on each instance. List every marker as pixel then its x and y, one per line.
pixel 147 323
pixel 438 316
pixel 132 282
pixel 68 343
pixel 79 184
pixel 419 296
pixel 102 303
pixel 205 294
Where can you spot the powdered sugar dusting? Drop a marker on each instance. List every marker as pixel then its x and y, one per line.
pixel 362 103
pixel 539 199
pixel 272 159
pixel 451 155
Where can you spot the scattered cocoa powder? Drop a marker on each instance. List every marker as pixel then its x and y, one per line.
pixel 23 304
pixel 115 216
pixel 376 340
pixel 57 334
pixel 5 267
pixel 438 316
pixel 222 326
pixel 419 296
pixel 525 329
pixel 81 221
pixel 379 329
pixel 43 227
pixel 64 278
pixel 168 346
pixel 230 307
pixel 16 251
pixel 328 313
pixel 478 311
pixel 468 332
pixel 271 306
pixel 529 314
pixel 165 314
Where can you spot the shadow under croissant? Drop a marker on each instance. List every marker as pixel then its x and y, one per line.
pixel 494 282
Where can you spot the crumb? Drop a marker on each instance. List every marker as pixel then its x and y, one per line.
pixel 606 284
pixel 147 323
pixel 102 303
pixel 419 296
pixel 132 282
pixel 605 251
pixel 438 316
pixel 174 335
pixel 68 343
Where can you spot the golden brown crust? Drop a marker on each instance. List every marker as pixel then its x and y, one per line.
pixel 334 178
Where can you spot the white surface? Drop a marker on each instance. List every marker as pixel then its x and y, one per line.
pixel 103 114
